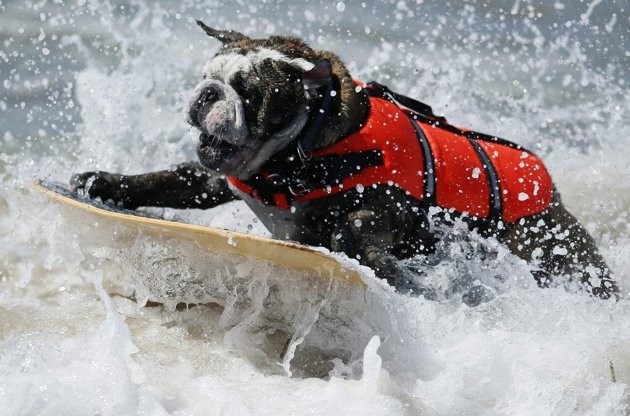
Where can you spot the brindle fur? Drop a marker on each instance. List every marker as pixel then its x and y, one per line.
pixel 379 225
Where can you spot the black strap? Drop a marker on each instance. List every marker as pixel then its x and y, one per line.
pixel 379 90
pixel 474 135
pixel 424 113
pixel 310 174
pixel 331 170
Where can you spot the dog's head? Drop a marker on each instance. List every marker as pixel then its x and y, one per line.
pixel 257 95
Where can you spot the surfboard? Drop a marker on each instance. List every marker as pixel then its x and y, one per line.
pixel 290 255
pixel 284 294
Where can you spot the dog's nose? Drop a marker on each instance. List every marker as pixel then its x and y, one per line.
pixel 207 96
pixel 203 100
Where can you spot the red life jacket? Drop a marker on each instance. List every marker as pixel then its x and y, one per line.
pixel 432 161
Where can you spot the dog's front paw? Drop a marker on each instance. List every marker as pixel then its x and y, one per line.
pixel 104 185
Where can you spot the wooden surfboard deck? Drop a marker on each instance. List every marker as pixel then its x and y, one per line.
pixel 282 253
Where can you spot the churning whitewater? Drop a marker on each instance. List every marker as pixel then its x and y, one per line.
pixel 104 84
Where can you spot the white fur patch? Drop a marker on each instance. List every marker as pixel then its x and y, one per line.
pixel 224 67
pixel 265 53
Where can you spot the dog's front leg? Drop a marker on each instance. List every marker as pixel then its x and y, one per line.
pixel 186 186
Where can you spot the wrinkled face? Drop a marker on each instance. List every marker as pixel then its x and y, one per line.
pixel 250 104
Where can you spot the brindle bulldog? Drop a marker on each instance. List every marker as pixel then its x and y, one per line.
pixel 266 108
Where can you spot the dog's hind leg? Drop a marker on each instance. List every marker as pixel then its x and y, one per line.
pixel 558 242
pixel 186 186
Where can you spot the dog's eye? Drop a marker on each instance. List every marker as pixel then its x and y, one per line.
pixel 249 96
pixel 250 99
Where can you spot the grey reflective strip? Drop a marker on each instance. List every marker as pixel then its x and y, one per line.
pixel 496 204
pixel 429 162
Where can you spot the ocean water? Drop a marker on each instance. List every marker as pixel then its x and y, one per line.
pixel 103 84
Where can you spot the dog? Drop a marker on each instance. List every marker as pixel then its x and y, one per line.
pixel 287 129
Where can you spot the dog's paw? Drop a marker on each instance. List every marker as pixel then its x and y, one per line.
pixel 103 185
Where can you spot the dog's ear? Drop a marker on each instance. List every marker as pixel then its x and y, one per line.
pixel 317 76
pixel 225 36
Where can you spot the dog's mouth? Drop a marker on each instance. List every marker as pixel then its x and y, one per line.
pixel 219 155
pixel 211 142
